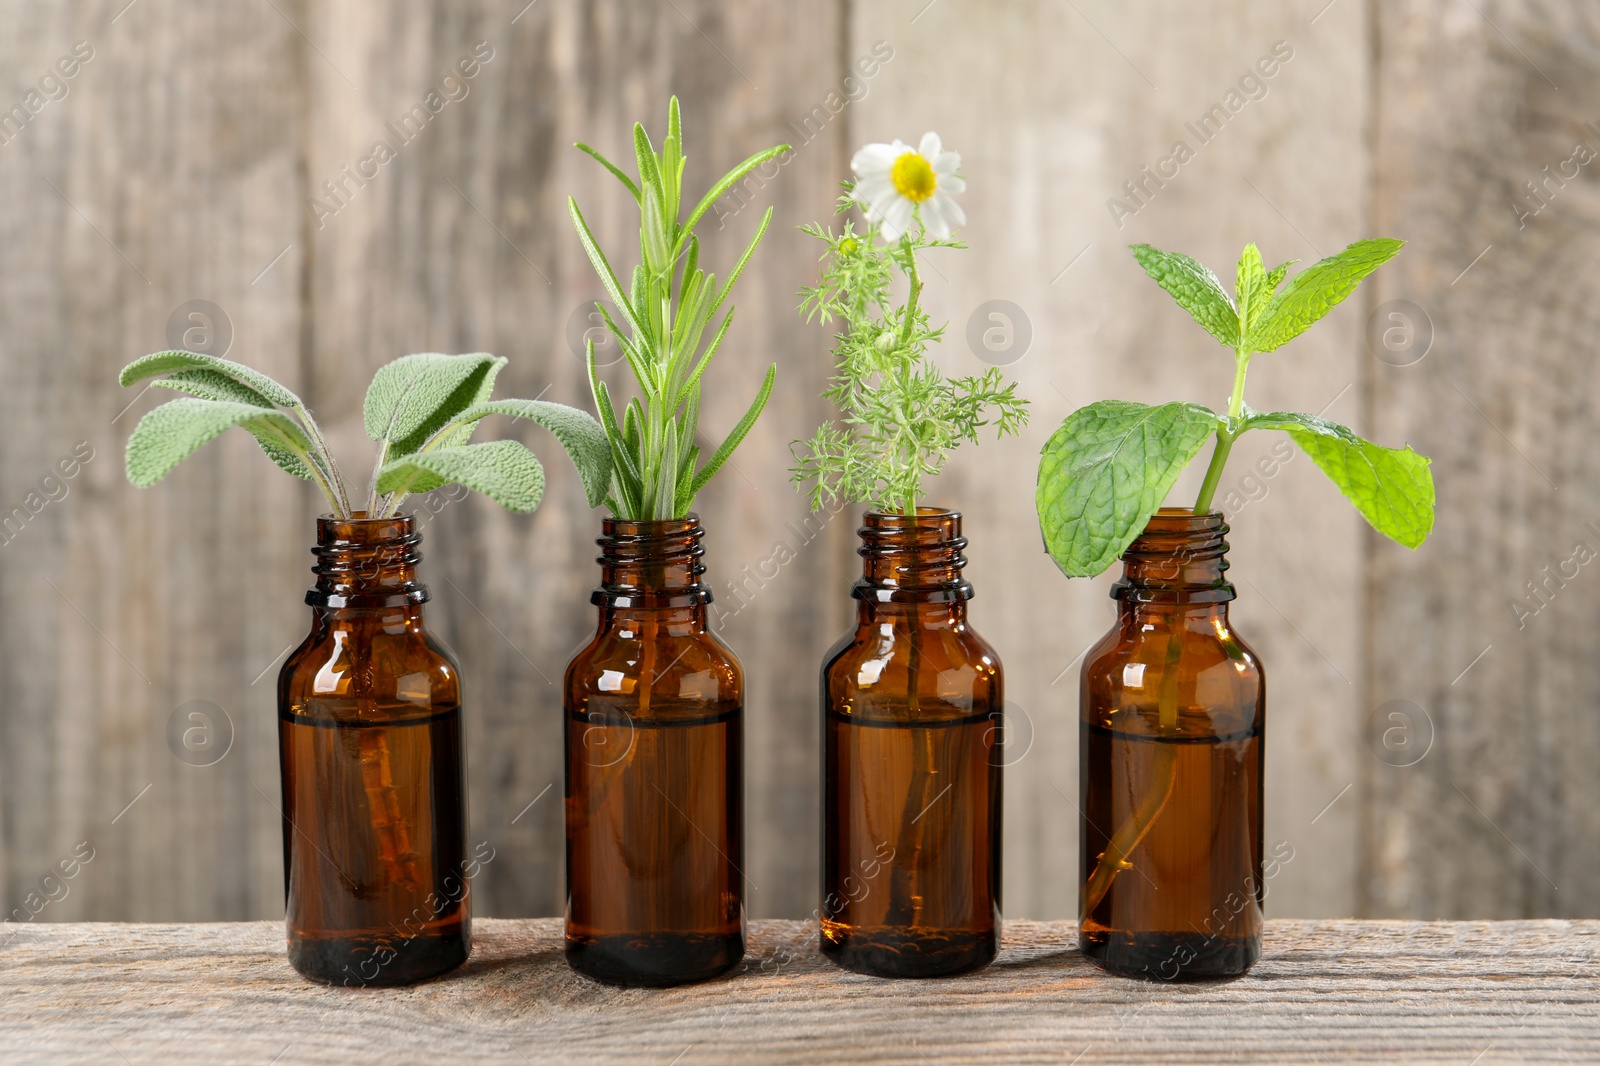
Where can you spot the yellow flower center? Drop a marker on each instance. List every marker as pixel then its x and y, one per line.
pixel 913 177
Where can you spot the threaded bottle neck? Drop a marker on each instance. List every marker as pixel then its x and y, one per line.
pixel 366 562
pixel 1180 558
pixel 912 558
pixel 651 564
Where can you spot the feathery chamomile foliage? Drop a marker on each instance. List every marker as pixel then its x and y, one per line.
pixel 900 417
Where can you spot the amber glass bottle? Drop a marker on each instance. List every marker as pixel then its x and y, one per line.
pixel 653 723
pixel 1173 705
pixel 912 730
pixel 374 806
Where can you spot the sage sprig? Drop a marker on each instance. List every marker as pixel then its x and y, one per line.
pixel 666 308
pixel 1111 464
pixel 421 410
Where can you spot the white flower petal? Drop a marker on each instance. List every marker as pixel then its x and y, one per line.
pixel 896 218
pixel 952 183
pixel 879 199
pixel 946 162
pixel 933 220
pixel 874 158
pixel 950 209
pixel 930 147
pixel 873 186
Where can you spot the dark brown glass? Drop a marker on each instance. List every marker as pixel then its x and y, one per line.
pixel 653 724
pixel 1173 705
pixel 912 707
pixel 374 805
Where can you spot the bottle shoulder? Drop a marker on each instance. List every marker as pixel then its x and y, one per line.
pixel 1130 684
pixel 357 665
pixel 870 673
pixel 687 671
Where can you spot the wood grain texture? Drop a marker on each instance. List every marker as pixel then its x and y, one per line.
pixel 1345 992
pixel 1479 629
pixel 163 176
pixel 188 160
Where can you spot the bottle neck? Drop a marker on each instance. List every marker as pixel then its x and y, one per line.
pixel 366 563
pixel 913 559
pixel 652 566
pixel 1178 561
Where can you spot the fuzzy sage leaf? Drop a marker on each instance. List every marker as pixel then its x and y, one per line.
pixel 413 397
pixel 582 437
pixel 421 407
pixel 174 431
pixel 158 364
pixel 503 470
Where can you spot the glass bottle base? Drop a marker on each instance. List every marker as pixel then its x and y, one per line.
pixel 377 962
pixel 897 953
pixel 1169 956
pixel 654 960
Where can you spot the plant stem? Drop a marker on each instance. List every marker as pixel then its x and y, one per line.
pixel 372 489
pixel 907 323
pixel 1131 833
pixel 1225 436
pixel 904 899
pixel 1208 487
pixel 341 505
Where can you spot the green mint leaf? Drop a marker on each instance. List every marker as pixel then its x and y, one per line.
pixel 1106 471
pixel 583 438
pixel 1392 488
pixel 1275 278
pixel 415 396
pixel 502 470
pixel 1250 291
pixel 161 363
pixel 172 432
pixel 1316 290
pixel 1196 289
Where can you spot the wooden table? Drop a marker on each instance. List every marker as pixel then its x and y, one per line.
pixel 1456 992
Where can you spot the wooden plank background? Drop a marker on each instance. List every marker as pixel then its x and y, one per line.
pixel 180 161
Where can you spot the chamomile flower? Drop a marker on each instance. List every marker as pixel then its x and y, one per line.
pixel 895 182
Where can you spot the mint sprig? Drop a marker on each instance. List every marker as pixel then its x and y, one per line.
pixel 420 409
pixel 1110 465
